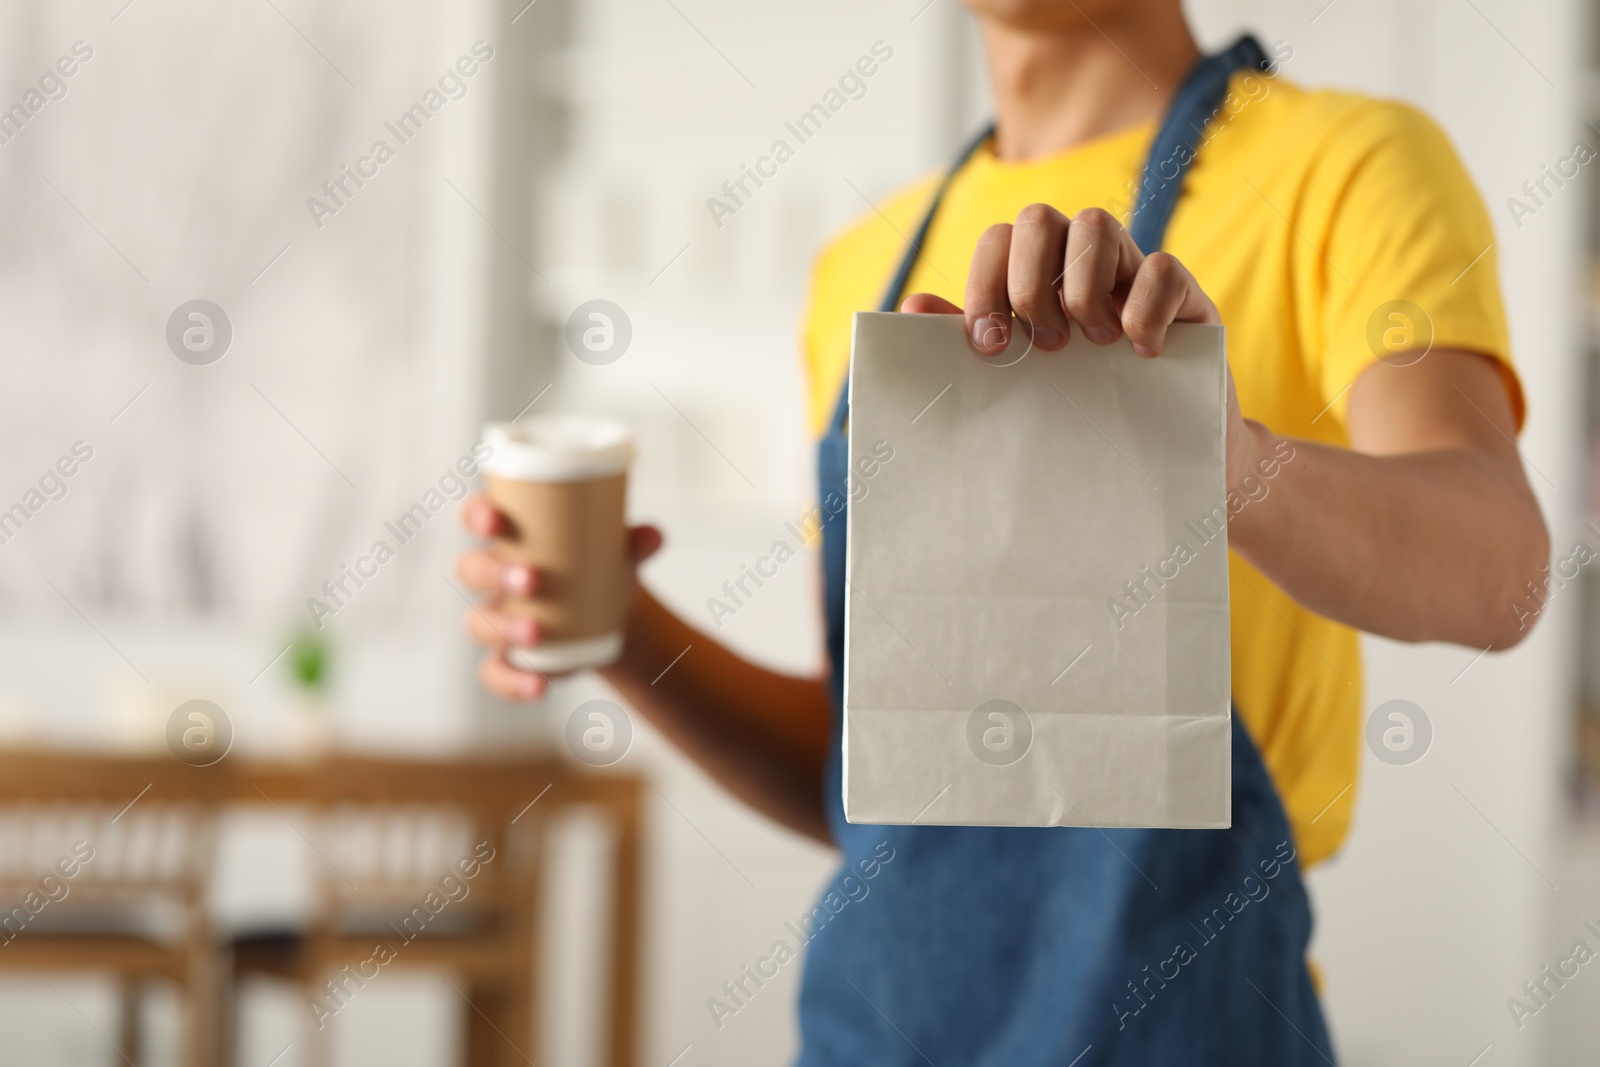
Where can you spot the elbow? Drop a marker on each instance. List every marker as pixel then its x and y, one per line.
pixel 1525 587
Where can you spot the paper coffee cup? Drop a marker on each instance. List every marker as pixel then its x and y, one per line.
pixel 562 482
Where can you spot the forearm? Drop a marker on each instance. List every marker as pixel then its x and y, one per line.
pixel 1426 546
pixel 763 735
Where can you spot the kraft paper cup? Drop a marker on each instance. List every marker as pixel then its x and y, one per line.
pixel 562 480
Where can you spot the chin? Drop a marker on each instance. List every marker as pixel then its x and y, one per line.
pixel 1054 14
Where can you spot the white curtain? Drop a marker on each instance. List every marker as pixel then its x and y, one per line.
pixel 177 165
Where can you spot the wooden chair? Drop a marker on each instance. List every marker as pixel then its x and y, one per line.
pixel 104 867
pixel 437 864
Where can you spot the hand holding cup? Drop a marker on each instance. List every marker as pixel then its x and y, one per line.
pixel 559 574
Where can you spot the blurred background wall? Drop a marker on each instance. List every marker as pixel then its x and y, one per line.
pixel 369 344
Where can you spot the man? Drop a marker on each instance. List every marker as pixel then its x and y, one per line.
pixel 1340 241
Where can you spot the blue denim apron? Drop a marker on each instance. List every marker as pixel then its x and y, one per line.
pixel 1068 947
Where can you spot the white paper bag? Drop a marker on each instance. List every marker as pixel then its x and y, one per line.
pixel 1036 628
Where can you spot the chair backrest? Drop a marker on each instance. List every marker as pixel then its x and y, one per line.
pixel 439 847
pixel 92 843
pixel 413 844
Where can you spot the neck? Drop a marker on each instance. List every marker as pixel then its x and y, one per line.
pixel 1057 88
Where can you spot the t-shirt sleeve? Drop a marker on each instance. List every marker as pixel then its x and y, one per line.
pixel 824 332
pixel 1408 260
pixel 810 344
pixel 848 276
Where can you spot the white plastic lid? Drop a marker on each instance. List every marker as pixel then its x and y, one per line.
pixel 558 448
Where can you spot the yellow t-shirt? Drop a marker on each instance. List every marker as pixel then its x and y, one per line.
pixel 1304 215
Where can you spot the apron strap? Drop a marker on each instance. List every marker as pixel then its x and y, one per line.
pixel 902 273
pixel 1176 144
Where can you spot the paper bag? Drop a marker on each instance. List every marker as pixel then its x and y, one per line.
pixel 1036 629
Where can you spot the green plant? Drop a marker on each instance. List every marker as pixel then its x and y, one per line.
pixel 309 656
